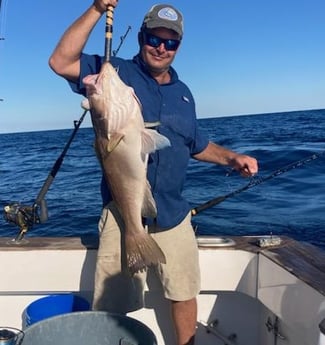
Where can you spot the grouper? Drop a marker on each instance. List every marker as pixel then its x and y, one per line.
pixel 122 143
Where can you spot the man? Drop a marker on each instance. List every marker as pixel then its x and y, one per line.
pixel 166 99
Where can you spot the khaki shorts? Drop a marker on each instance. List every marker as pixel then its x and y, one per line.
pixel 116 291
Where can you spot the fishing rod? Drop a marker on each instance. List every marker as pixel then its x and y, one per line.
pixel 122 38
pixel 109 32
pixel 26 216
pixel 255 182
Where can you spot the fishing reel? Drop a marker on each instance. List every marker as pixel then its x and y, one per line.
pixel 25 216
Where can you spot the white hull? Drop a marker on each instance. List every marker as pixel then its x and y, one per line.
pixel 249 296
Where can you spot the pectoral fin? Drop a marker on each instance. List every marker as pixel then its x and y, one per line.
pixel 114 141
pixel 149 209
pixel 152 141
pixel 151 124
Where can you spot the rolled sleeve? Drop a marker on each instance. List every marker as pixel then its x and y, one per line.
pixel 89 64
pixel 200 142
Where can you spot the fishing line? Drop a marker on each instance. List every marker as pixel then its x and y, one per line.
pixel 256 181
pixel 3 18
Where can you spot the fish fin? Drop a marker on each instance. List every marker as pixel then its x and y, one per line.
pixel 114 141
pixel 151 124
pixel 85 104
pixel 142 251
pixel 152 141
pixel 149 209
pixel 100 149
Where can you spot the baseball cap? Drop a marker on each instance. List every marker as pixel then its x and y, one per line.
pixel 166 16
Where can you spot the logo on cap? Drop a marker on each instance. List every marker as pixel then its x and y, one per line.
pixel 168 14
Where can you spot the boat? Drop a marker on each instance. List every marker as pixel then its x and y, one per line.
pixel 256 290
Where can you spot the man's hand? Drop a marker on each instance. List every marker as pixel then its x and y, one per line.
pixel 213 153
pixel 101 5
pixel 247 166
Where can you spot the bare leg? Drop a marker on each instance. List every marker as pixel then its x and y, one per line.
pixel 184 316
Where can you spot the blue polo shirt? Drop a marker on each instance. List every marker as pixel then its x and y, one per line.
pixel 172 105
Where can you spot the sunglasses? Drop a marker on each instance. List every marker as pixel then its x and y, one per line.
pixel 154 41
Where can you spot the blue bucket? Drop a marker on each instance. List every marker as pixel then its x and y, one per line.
pixel 52 305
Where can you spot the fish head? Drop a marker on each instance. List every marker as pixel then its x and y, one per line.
pixel 103 89
pixel 113 104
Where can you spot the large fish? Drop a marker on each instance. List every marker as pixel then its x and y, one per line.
pixel 122 144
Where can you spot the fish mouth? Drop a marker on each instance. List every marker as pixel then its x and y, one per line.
pixel 93 84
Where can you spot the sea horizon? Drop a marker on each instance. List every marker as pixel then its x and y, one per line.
pixel 199 118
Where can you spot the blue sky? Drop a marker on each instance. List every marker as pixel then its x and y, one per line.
pixel 238 57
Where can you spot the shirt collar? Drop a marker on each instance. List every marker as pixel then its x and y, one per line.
pixel 139 61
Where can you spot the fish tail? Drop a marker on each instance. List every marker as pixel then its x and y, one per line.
pixel 142 251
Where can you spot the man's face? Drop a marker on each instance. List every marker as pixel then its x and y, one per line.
pixel 158 59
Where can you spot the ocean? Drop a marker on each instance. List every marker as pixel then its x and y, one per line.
pixel 291 203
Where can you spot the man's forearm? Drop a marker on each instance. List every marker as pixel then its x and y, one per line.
pixel 65 59
pixel 214 153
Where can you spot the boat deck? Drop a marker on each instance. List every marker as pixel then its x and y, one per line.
pixel 282 285
pixel 303 260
